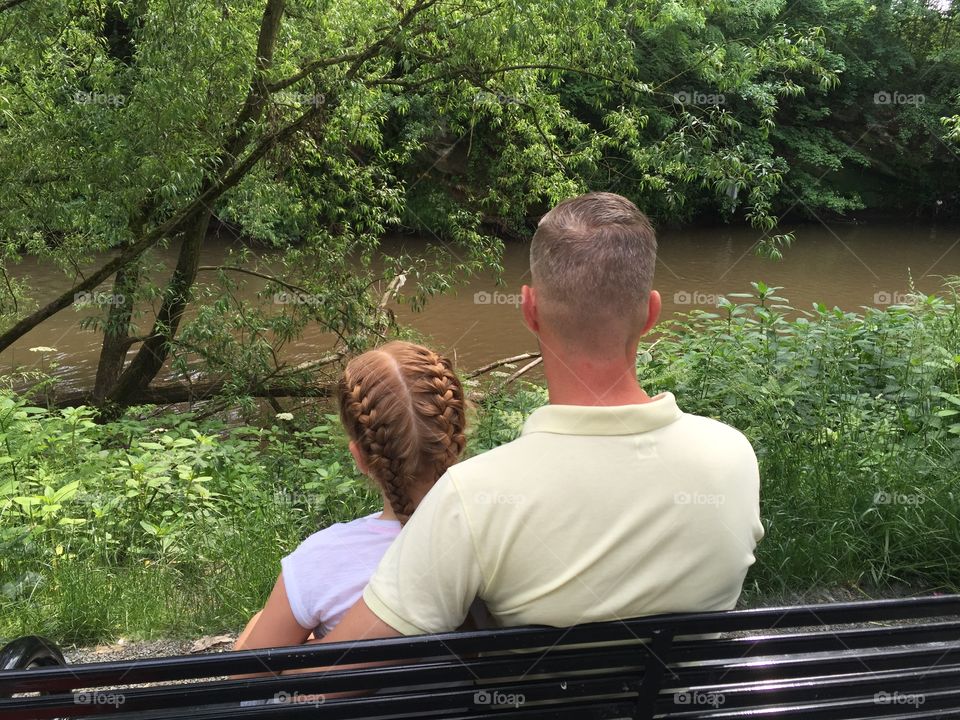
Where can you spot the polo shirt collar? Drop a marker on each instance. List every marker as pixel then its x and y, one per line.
pixel 604 420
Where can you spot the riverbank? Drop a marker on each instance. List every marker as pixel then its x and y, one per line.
pixel 165 525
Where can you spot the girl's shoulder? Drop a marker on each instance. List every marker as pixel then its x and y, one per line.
pixel 362 530
pixel 326 573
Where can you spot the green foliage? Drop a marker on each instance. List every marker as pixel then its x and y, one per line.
pixel 855 421
pixel 168 503
pixel 502 417
pixel 442 118
pixel 158 525
pixel 880 138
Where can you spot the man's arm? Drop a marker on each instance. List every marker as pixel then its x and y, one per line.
pixel 427 579
pixel 359 623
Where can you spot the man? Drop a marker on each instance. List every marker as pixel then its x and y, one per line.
pixel 612 504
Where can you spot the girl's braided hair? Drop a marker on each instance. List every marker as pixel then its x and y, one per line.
pixel 404 406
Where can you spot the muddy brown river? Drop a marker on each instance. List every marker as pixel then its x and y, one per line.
pixel 849 266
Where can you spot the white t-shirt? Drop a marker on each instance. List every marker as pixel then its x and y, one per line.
pixel 327 572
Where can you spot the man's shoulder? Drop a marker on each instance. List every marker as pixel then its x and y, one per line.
pixel 713 437
pixel 709 426
pixel 503 457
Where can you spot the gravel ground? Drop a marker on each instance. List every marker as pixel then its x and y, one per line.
pixel 131 650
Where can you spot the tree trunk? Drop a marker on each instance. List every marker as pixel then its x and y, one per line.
pixel 134 381
pixel 132 384
pixel 116 334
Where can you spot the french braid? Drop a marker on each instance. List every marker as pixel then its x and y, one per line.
pixel 404 406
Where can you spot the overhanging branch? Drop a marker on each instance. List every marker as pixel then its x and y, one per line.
pixel 10 4
pixel 204 201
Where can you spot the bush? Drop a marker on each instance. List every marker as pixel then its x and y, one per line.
pixel 856 422
pixel 152 527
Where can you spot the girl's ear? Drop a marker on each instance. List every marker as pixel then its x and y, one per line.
pixel 358 457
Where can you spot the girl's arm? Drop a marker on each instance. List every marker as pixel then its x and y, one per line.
pixel 275 625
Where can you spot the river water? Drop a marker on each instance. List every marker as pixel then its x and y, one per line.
pixel 849 266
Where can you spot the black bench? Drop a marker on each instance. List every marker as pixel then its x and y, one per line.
pixel 890 659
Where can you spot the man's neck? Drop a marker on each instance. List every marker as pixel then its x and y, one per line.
pixel 580 381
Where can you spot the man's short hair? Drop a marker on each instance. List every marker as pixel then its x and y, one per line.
pixel 592 260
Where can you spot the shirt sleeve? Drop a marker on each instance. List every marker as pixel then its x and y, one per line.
pixel 430 576
pixel 304 606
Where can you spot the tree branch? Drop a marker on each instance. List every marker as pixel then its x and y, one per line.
pixel 522 371
pixel 500 363
pixel 254 273
pixel 309 69
pixel 10 4
pixel 170 227
pixel 180 393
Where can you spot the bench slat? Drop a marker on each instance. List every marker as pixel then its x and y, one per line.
pixel 564 663
pixel 451 702
pixel 936 705
pixel 277 659
pixel 737 670
pixel 818 640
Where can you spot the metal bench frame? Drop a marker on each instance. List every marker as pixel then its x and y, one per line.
pixel 889 658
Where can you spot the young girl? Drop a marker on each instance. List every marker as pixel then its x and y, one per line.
pixel 404 412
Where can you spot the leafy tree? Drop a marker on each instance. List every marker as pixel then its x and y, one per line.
pixel 309 131
pixel 876 140
pixel 131 125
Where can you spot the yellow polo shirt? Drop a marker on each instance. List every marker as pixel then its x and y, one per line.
pixel 592 514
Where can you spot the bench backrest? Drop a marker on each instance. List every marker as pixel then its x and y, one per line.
pixel 897 658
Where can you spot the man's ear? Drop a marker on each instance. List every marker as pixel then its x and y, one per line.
pixel 528 305
pixel 654 305
pixel 358 457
